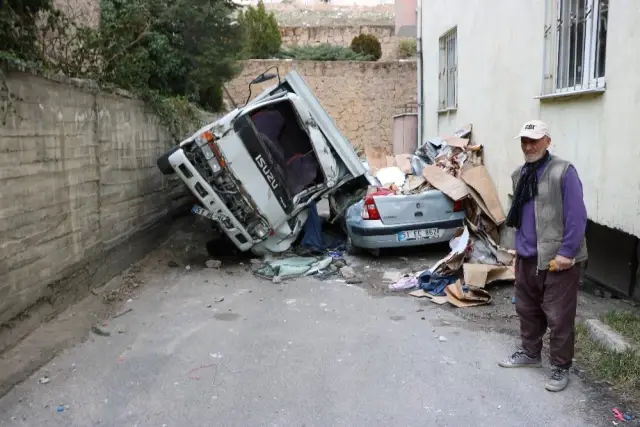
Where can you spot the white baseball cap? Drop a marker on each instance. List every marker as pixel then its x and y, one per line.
pixel 534 129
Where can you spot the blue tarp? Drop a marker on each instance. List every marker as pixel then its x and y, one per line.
pixel 314 238
pixel 434 283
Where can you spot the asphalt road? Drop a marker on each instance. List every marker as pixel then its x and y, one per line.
pixel 300 353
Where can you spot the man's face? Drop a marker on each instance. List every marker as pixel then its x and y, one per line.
pixel 534 149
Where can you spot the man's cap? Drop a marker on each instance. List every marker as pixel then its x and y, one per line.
pixel 534 129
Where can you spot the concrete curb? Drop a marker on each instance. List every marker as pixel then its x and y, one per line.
pixel 606 336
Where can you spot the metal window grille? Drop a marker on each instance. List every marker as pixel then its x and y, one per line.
pixel 448 75
pixel 575 45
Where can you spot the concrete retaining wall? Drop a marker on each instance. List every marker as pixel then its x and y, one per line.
pixel 77 181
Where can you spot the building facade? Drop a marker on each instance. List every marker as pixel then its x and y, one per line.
pixel 570 63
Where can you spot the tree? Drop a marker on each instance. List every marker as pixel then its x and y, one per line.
pixel 173 47
pixel 261 32
pixel 18 26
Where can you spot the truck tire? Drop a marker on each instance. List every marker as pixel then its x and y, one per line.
pixel 163 162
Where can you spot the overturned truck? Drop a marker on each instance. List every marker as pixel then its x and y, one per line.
pixel 256 171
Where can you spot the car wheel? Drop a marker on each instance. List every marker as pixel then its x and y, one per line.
pixel 352 249
pixel 163 162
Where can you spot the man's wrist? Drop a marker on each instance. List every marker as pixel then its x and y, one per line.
pixel 566 252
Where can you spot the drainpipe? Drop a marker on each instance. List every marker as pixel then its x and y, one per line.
pixel 419 69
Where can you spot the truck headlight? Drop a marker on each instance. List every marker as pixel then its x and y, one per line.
pixel 211 158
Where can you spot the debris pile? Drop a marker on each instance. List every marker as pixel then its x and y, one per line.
pixel 455 166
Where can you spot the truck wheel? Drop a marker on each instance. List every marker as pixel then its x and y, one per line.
pixel 163 162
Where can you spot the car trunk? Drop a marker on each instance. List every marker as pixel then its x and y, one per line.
pixel 429 206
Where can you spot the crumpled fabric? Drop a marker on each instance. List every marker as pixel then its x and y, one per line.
pixel 292 267
pixel 314 238
pixel 434 283
pixel 404 283
pixel 285 268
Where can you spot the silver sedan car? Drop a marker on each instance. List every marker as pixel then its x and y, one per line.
pixel 390 221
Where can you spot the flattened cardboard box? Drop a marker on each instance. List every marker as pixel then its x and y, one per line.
pixel 484 193
pixel 449 185
pixel 471 298
pixel 480 275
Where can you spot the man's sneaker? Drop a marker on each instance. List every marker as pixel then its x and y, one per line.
pixel 558 380
pixel 520 360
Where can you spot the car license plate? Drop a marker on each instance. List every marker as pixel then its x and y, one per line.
pixel 426 233
pixel 199 210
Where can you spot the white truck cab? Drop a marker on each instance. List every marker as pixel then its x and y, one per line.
pixel 256 170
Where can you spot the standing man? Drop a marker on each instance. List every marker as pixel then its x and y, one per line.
pixel 550 219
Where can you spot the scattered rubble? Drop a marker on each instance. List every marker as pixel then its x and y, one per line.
pixel 100 330
pixel 348 272
pixel 214 263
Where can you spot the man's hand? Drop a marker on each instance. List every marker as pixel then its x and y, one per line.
pixel 563 263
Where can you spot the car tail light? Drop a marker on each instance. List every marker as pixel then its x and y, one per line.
pixel 458 206
pixel 369 210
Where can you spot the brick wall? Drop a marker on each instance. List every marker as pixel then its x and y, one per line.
pixel 77 180
pixel 361 97
pixel 341 36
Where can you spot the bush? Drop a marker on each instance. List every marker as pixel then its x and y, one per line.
pixel 261 32
pixel 323 52
pixel 407 48
pixel 367 44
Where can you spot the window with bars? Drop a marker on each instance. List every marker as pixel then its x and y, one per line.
pixel 448 74
pixel 575 45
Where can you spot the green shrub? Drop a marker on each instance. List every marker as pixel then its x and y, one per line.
pixel 367 44
pixel 323 52
pixel 407 48
pixel 262 35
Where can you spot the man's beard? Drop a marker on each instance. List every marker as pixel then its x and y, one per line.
pixel 532 158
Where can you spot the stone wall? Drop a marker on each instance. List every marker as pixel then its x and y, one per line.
pixel 78 180
pixel 341 36
pixel 83 12
pixel 361 97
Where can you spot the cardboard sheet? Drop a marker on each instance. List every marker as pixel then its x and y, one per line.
pixel 478 179
pixel 471 298
pixel 403 161
pixel 379 161
pixel 375 159
pixel 480 275
pixel 454 141
pixel 458 247
pixel 421 293
pixel 449 185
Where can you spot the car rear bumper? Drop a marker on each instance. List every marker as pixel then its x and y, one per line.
pixel 376 235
